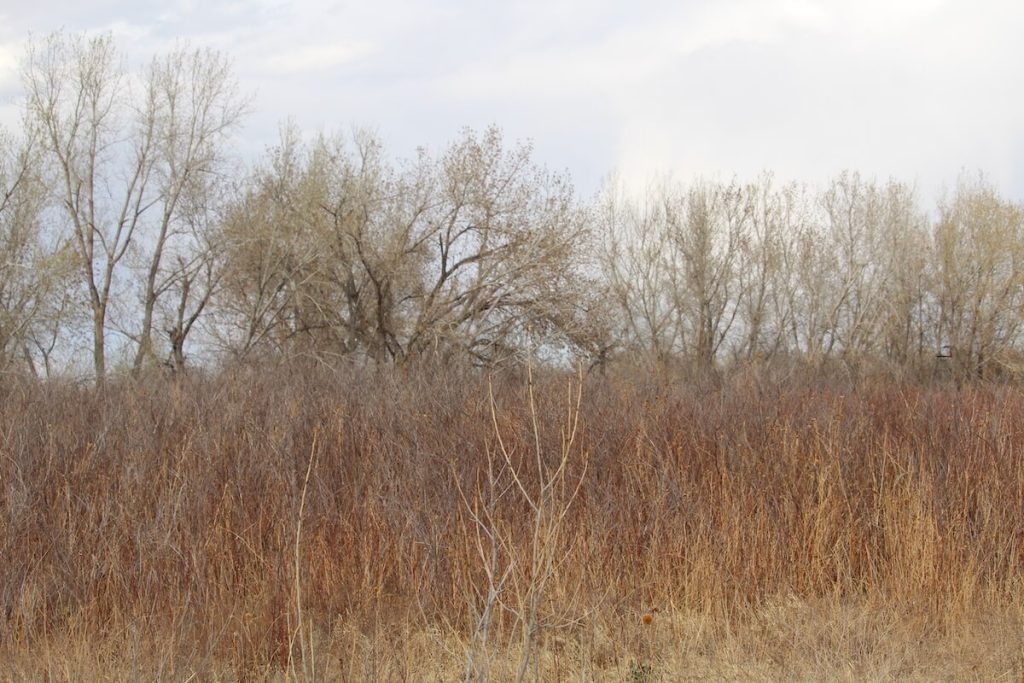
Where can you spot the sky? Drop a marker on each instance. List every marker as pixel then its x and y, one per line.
pixel 918 90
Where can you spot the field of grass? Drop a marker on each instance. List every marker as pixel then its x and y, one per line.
pixel 379 526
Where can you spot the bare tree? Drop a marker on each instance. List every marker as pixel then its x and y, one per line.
pixel 123 162
pixel 672 263
pixel 639 271
pixel 508 235
pixel 75 99
pixel 763 276
pixel 193 103
pixel 269 257
pixel 453 256
pixel 194 278
pixel 705 225
pixel 979 244
pixel 33 268
pixel 904 303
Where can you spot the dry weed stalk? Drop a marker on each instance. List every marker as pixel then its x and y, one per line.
pixel 517 578
pixel 306 650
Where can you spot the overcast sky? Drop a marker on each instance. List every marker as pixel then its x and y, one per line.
pixel 915 89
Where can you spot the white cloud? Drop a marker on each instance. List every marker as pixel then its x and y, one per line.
pixel 10 53
pixel 316 57
pixel 915 88
pixel 125 31
pixel 919 93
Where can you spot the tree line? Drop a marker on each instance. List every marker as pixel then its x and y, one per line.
pixel 130 232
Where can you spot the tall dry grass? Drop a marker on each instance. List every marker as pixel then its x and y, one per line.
pixel 296 523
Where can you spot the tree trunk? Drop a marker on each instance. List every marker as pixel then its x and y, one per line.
pixel 99 357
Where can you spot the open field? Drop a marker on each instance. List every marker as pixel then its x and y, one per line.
pixel 388 526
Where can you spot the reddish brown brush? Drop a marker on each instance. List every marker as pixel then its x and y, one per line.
pixel 150 529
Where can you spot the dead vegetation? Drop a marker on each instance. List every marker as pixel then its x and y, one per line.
pixel 771 530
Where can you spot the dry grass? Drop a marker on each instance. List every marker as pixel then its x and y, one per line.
pixel 784 530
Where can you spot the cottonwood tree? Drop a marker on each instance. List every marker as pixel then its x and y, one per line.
pixel 307 259
pixel 270 256
pixel 671 260
pixel 194 105
pixel 453 256
pixel 904 302
pixel 844 262
pixel 636 265
pixel 193 275
pixel 508 236
pixel 705 226
pixel 765 270
pixel 849 219
pixel 124 152
pixel 979 250
pixel 370 218
pixel 828 261
pixel 20 209
pixel 763 273
pixel 878 236
pixel 33 269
